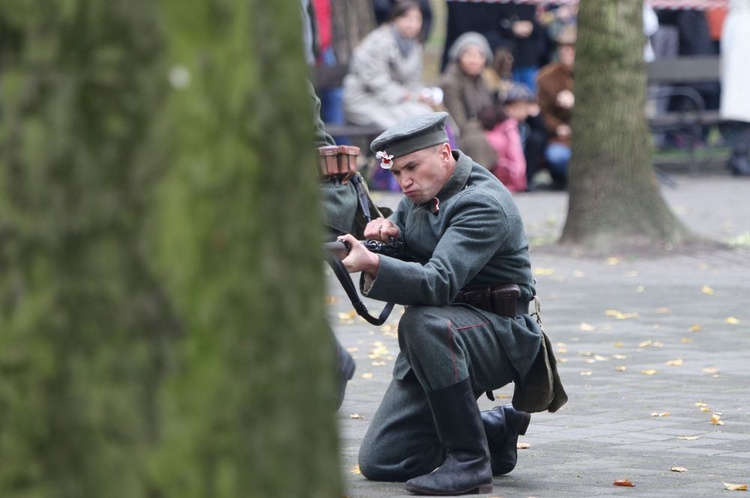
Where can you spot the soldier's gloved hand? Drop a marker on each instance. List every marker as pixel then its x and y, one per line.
pixel 359 258
pixel 381 229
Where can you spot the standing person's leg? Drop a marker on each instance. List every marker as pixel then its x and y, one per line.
pixel 558 157
pixel 737 136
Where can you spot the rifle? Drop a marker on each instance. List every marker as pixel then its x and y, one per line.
pixel 392 248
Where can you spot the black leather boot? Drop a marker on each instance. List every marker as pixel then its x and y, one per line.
pixel 466 469
pixel 503 425
pixel 739 162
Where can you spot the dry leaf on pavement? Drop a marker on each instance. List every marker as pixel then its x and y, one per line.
pixel 624 482
pixel 678 469
pixel 735 487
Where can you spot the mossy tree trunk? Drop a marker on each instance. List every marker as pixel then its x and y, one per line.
pixel 84 327
pixel 614 194
pixel 129 209
pixel 252 411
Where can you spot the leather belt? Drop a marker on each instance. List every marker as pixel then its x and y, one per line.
pixel 503 300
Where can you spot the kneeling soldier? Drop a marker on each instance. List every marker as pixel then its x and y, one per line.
pixel 466 283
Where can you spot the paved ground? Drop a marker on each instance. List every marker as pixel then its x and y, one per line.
pixel 655 356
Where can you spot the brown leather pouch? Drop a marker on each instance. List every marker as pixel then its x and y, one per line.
pixel 504 299
pixel 329 166
pixel 347 161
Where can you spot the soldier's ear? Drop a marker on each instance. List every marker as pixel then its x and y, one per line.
pixel 445 151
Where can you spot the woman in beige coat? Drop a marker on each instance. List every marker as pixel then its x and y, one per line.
pixel 385 83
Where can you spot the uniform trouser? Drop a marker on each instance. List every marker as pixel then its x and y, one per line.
pixel 443 346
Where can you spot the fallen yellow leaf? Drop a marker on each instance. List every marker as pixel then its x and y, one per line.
pixel 621 368
pixel 707 290
pixel 621 316
pixel 585 327
pixel 700 404
pixel 366 376
pixel 356 470
pixel 675 363
pixel 695 328
pixel 709 370
pixel 355 416
pixel 619 356
pixel 650 344
pixel 716 419
pixel 686 340
pixel 586 373
pixel 650 371
pixel 523 446
pixel 619 345
pixel 664 310
pixel 733 321
pixel 678 469
pixel 662 414
pixel 543 271
pixel 331 299
pixel 640 288
pixel 735 487
pixel 689 438
pixel 613 261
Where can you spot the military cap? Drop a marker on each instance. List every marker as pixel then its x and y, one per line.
pixel 412 134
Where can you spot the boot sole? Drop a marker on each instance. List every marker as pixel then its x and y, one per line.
pixel 481 490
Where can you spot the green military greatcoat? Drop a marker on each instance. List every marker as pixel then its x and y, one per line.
pixel 470 235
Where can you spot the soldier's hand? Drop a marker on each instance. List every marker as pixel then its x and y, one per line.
pixel 359 257
pixel 381 229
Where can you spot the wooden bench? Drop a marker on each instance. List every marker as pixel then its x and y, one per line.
pixel 672 77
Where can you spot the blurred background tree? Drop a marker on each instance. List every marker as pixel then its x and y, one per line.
pixel 615 200
pixel 162 325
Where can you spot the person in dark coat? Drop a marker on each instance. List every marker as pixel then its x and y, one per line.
pixel 465 278
pixel 507 25
pixel 556 102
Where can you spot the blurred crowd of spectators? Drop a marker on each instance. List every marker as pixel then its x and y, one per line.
pixel 506 77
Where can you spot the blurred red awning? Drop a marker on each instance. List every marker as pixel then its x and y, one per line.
pixel 657 4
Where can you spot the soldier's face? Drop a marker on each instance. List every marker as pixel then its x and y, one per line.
pixel 423 173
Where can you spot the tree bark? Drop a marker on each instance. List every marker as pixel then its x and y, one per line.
pixel 85 328
pixel 162 322
pixel 252 412
pixel 352 21
pixel 614 194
